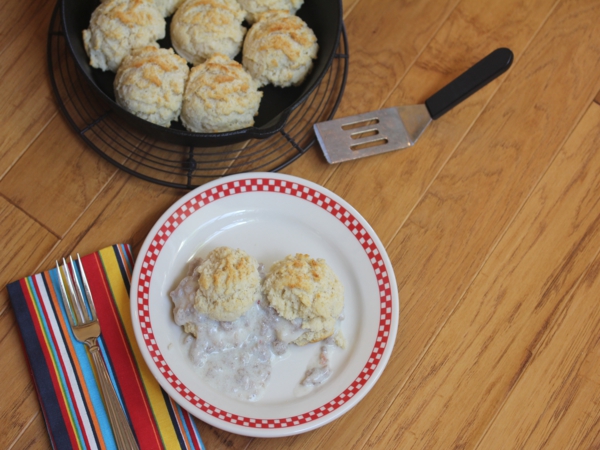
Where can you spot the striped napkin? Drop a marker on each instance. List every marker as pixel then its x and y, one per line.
pixel 63 372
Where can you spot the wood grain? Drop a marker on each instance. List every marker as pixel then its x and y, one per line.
pixel 564 359
pixel 78 177
pixel 24 242
pixel 348 5
pixel 34 436
pixel 18 15
pixel 114 216
pixel 25 92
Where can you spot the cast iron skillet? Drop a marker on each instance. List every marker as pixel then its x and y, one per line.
pixel 323 16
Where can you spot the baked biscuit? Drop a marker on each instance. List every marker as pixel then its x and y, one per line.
pixel 255 7
pixel 279 49
pixel 167 7
pixel 150 83
pixel 201 28
pixel 220 96
pixel 300 287
pixel 118 26
pixel 228 284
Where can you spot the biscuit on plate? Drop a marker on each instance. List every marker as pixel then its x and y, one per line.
pixel 300 287
pixel 254 7
pixel 220 96
pixel 228 284
pixel 279 49
pixel 118 26
pixel 150 83
pixel 201 28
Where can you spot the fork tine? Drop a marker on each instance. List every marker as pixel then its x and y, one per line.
pixel 79 292
pixel 74 297
pixel 86 286
pixel 66 301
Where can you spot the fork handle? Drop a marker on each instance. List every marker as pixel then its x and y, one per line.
pixel 118 420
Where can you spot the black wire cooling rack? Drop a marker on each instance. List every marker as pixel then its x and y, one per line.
pixel 175 165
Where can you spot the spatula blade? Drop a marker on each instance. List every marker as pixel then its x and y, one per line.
pixel 371 133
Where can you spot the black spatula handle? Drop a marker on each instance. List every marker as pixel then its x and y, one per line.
pixel 486 70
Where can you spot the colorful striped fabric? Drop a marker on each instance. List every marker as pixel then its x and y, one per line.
pixel 63 372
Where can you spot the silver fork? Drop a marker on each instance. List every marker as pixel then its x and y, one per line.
pixel 86 329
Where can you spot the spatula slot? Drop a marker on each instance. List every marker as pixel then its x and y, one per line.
pixel 364 134
pixel 375 143
pixel 360 124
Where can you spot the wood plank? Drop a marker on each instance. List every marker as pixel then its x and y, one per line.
pixel 24 242
pixel 77 175
pixel 554 403
pixel 17 16
pixel 19 399
pixel 25 93
pixel 348 5
pixel 488 342
pixel 34 437
pixel 374 70
pixel 215 438
pixel 123 213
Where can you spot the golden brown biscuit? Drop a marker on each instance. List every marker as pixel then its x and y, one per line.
pixel 228 284
pixel 150 83
pixel 118 26
pixel 255 7
pixel 201 28
pixel 167 7
pixel 279 49
pixel 220 96
pixel 300 287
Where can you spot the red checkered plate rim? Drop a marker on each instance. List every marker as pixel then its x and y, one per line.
pixel 239 189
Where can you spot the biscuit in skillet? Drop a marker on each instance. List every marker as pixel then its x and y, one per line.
pixel 255 7
pixel 279 49
pixel 201 28
pixel 118 26
pixel 167 7
pixel 220 96
pixel 150 83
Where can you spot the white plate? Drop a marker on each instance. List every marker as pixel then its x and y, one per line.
pixel 269 216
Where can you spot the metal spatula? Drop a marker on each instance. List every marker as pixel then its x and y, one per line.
pixel 391 129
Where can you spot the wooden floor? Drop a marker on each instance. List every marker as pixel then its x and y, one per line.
pixel 492 222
